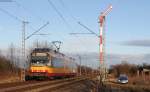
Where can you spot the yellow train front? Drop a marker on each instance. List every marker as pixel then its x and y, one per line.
pixel 47 63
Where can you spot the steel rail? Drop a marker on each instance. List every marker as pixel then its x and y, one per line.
pixel 51 87
pixel 19 87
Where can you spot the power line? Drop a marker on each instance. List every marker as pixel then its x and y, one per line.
pixel 68 10
pixel 78 22
pixel 74 18
pixel 10 15
pixel 14 17
pixel 54 7
pixel 60 15
pixel 27 10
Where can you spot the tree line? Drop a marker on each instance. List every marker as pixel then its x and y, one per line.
pixel 128 69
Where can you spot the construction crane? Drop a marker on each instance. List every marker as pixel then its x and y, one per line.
pixel 102 40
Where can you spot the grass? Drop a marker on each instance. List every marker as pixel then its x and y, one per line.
pixel 136 84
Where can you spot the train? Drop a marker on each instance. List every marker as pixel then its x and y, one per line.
pixel 48 63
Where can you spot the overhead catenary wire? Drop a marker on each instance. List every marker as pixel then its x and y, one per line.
pixel 92 32
pixel 73 17
pixel 68 10
pixel 11 15
pixel 27 10
pixel 37 31
pixel 14 17
pixel 62 17
pixel 59 13
pixel 77 21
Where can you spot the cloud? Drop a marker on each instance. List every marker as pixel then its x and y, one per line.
pixel 92 59
pixel 140 43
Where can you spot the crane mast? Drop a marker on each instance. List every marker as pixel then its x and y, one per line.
pixel 102 40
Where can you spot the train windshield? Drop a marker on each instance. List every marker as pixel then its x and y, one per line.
pixel 39 60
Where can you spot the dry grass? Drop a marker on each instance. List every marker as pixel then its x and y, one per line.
pixel 144 81
pixel 8 71
pixel 136 84
pixel 9 77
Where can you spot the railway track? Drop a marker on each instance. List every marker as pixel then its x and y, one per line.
pixel 40 86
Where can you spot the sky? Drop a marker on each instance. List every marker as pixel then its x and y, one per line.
pixel 127 25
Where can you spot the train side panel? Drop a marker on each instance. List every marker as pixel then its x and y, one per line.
pixel 51 71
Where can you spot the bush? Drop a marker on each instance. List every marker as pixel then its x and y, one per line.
pixel 6 65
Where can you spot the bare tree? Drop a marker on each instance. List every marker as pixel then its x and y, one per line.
pixel 13 57
pixel 124 68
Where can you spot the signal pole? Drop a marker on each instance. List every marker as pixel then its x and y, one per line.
pixel 102 42
pixel 102 73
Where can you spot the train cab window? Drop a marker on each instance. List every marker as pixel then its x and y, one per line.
pixel 39 60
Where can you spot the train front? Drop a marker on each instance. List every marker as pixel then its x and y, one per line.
pixel 38 64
